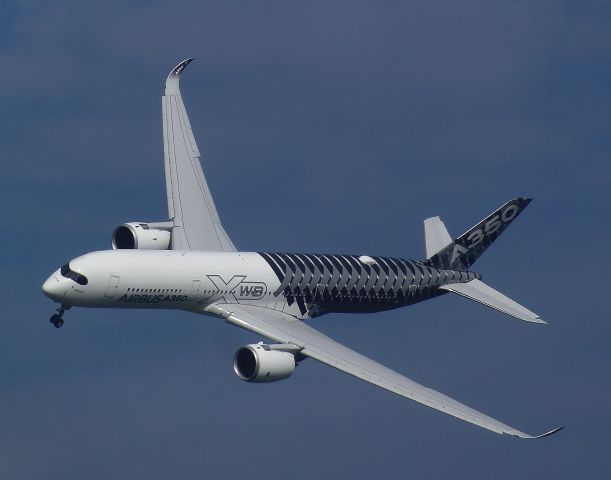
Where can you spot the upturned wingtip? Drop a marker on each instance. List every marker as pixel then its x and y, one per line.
pixel 551 432
pixel 546 434
pixel 172 82
pixel 177 70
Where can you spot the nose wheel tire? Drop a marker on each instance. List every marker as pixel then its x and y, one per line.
pixel 56 320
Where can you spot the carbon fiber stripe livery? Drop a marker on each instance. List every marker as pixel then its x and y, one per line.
pixel 342 283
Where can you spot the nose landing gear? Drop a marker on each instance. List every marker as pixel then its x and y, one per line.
pixel 57 319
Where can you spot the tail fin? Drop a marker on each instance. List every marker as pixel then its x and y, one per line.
pixel 466 249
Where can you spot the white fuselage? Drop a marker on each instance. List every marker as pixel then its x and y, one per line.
pixel 164 279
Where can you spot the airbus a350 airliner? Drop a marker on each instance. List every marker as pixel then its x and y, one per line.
pixel 189 262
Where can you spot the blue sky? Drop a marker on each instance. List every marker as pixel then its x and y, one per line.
pixel 325 127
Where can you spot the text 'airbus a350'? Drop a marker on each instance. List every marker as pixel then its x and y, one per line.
pixel 190 263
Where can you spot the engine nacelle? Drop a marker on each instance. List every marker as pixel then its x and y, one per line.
pixel 142 236
pixel 259 363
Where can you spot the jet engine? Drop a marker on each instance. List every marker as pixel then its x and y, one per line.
pixel 259 363
pixel 142 236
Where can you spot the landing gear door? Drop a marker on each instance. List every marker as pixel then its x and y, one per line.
pixel 113 285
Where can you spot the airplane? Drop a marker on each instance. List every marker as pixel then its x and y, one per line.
pixel 189 263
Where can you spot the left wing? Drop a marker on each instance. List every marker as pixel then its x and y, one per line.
pixel 286 329
pixel 197 225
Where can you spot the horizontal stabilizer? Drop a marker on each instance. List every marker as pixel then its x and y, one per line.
pixel 480 292
pixel 436 236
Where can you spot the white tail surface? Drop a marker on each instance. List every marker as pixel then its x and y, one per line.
pixel 480 292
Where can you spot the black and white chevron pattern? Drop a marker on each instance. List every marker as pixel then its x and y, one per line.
pixel 344 279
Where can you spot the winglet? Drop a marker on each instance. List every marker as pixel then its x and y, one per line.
pixel 551 432
pixel 547 434
pixel 172 83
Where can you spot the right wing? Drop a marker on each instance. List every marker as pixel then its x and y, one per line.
pixel 284 328
pixel 197 225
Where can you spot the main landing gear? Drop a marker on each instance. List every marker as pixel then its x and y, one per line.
pixel 57 319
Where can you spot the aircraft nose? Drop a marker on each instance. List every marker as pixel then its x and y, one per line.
pixel 51 288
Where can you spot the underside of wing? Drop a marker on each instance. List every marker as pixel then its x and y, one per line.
pixel 286 329
pixel 196 223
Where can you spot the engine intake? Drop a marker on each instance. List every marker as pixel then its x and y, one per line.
pixel 142 236
pixel 259 363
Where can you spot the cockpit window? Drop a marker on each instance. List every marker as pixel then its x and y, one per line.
pixel 72 275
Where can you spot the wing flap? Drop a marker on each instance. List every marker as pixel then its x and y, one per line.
pixel 286 329
pixel 478 291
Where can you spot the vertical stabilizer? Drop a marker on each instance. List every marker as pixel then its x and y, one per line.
pixel 466 249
